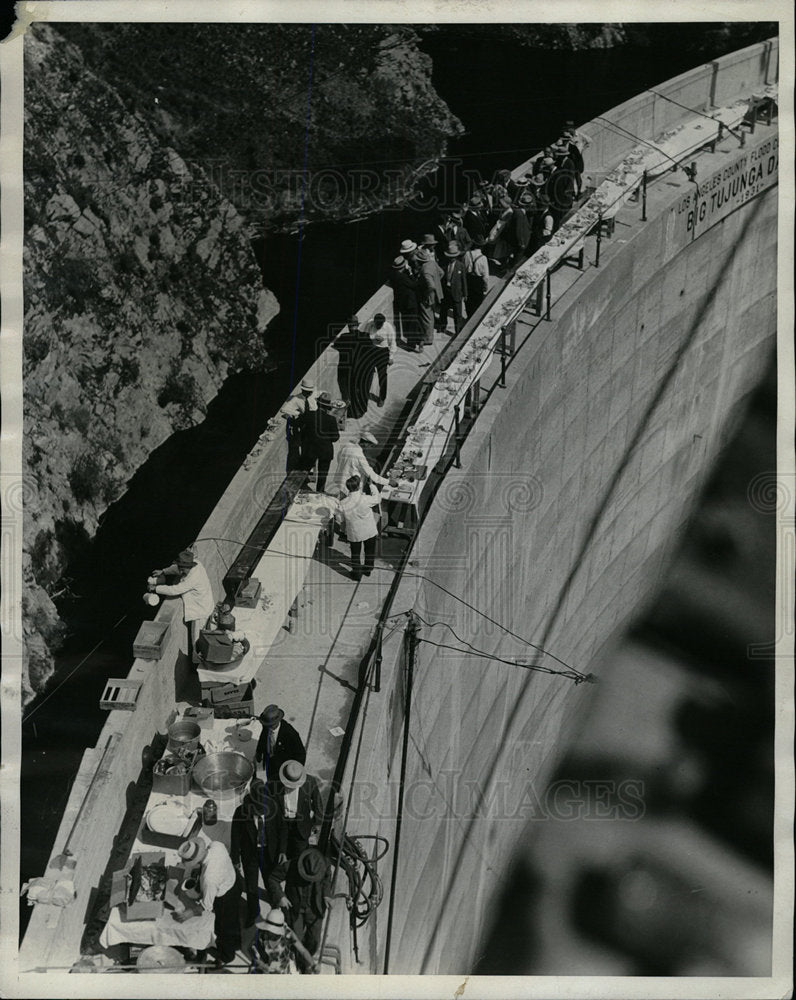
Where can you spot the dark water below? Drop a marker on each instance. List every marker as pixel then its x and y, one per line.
pixel 512 102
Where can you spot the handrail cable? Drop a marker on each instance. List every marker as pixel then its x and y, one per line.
pixel 694 111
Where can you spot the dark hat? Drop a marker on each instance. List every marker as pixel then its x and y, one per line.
pixel 312 865
pixel 399 262
pixel 476 199
pixel 428 240
pixel 270 715
pixel 324 399
pixel 538 180
pixel 353 320
pixel 570 124
pixel 454 250
pixel 526 198
pixel 422 256
pixel 456 214
pixel 185 560
pixel 257 791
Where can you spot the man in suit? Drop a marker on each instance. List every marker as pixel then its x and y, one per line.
pixel 319 431
pixel 258 841
pixel 405 303
pixel 429 288
pixel 278 742
pixel 454 287
pixel 475 218
pixel 308 896
pixel 302 805
pixel 561 186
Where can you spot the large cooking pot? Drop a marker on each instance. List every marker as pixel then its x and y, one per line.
pixel 223 774
pixel 183 735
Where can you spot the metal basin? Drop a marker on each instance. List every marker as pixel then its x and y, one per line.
pixel 222 774
pixel 183 735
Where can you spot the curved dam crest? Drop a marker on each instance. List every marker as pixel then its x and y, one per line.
pixel 575 479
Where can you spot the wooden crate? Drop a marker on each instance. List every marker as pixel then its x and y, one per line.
pixel 120 693
pixel 148 643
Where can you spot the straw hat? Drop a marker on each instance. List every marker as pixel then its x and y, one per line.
pixel 454 250
pixel 292 774
pixel 192 851
pixel 399 263
pixel 408 246
pixel 273 923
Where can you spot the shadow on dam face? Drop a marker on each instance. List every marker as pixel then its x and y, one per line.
pixel 683 726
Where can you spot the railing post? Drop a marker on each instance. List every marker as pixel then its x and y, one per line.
pixel 457 459
pixel 644 196
pixel 548 294
pixel 599 238
pixel 376 687
pixel 754 118
pixel 502 382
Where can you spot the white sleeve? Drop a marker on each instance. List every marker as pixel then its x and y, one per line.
pixel 371 473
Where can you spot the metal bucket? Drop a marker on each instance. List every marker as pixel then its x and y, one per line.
pixel 222 775
pixel 183 735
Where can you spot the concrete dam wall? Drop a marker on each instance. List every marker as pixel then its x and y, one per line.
pixel 575 478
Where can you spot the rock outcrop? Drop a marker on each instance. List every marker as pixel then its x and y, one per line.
pixel 141 295
pixel 295 121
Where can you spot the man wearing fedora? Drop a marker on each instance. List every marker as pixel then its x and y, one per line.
pixel 477 267
pixel 429 287
pixel 475 218
pixel 193 586
pixel 407 250
pixel 278 742
pixel 561 186
pixel 319 432
pixel 302 805
pixel 307 896
pixel 218 892
pixel 292 412
pixel 454 287
pixel 405 303
pixel 258 841
pixel 362 365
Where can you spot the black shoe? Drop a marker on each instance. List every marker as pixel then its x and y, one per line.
pixel 380 402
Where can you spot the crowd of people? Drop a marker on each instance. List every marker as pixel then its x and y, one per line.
pixel 273 838
pixel 447 272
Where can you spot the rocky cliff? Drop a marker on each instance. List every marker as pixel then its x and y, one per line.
pixel 141 296
pixel 295 121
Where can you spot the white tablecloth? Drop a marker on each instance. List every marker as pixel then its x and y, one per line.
pixel 195 933
pixel 217 734
pixel 282 570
